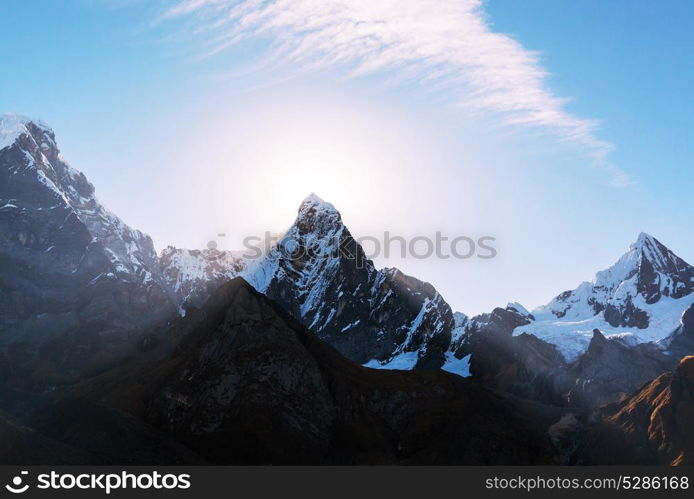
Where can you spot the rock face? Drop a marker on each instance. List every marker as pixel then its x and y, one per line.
pixel 248 384
pixel 66 263
pixel 609 371
pixel 653 425
pixel 681 342
pixel 642 295
pixel 522 365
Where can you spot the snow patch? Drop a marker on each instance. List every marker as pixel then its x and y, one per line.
pixel 461 367
pixel 403 361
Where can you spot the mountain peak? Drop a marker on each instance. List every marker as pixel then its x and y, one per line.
pixel 644 238
pixel 313 198
pixel 644 254
pixel 317 215
pixel 648 243
pixel 13 125
pixel 315 202
pixel 622 299
pixel 660 256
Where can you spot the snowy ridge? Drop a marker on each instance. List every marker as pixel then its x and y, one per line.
pixel 74 260
pixel 514 305
pixel 189 273
pixel 13 125
pixel 640 299
pixel 131 252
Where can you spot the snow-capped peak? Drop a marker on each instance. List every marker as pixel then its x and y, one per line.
pixel 13 125
pixel 314 202
pixel 644 293
pixel 518 308
pixel 33 172
pixel 656 253
pixel 643 238
pixel 317 216
pixel 645 255
pixel 313 198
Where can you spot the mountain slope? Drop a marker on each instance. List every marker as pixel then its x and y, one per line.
pixel 651 426
pixel 641 297
pixel 24 446
pixel 523 365
pixel 681 342
pixel 248 384
pixel 66 262
pixel 610 370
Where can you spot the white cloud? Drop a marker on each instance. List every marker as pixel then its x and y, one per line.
pixel 447 45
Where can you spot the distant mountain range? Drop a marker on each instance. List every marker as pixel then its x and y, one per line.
pixel 88 307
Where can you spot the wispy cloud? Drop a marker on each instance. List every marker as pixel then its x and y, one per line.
pixel 447 45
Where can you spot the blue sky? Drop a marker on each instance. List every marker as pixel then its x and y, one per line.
pixel 184 143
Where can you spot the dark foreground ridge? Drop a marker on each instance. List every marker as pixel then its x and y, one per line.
pixel 241 382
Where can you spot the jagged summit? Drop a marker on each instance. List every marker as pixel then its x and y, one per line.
pixel 62 245
pixel 36 176
pixel 650 269
pixel 641 296
pixel 317 216
pixel 643 237
pixel 13 126
pixel 313 198
pixel 518 308
pixel 659 255
pixel 628 263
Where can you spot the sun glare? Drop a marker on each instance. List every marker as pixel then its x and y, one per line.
pixel 351 154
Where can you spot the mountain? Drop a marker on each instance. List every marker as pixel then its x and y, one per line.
pixel 653 425
pixel 240 381
pixel 67 264
pixel 319 273
pixel 641 298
